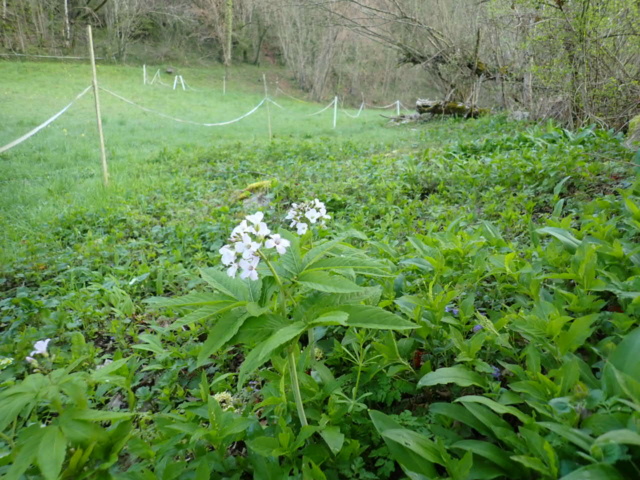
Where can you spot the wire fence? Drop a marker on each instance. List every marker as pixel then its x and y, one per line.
pixel 157 80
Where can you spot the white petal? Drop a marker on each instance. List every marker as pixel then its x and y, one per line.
pixel 256 218
pixel 232 270
pixel 302 228
pixel 263 230
pixel 269 243
pixel 281 249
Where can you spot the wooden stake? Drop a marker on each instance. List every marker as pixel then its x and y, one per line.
pixel 398 107
pixel 266 97
pixel 335 111
pixel 103 153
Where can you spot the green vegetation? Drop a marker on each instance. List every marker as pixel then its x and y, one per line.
pixel 470 311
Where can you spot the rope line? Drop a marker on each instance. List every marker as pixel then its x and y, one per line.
pixel 27 135
pixel 276 104
pixel 357 114
pixel 278 89
pixel 385 107
pixel 325 108
pixel 218 124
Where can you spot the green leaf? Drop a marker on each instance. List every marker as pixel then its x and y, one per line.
pixel 333 438
pixel 458 374
pixel 573 435
pixel 625 357
pixel 460 414
pixel 330 318
pixel 624 436
pixel 317 252
pixel 234 287
pixel 359 264
pixel 487 450
pixel 101 373
pixel 408 459
pixel 152 344
pixel 26 451
pixel 98 415
pixel 223 331
pixel 205 313
pixel 567 239
pixel 365 316
pixel 598 471
pixel 496 407
pixel 532 463
pixel 51 452
pixel 193 299
pixel 324 282
pixel 415 442
pixel 575 337
pixel 261 353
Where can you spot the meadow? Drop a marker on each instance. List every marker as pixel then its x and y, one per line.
pixel 470 310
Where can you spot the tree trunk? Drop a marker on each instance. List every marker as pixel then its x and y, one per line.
pixel 229 34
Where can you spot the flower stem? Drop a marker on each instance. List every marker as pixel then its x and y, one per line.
pixel 283 291
pixel 295 385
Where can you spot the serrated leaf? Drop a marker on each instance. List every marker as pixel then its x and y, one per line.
pixel 366 316
pixel 316 253
pixel 193 299
pixel 205 313
pixel 359 264
pixel 261 353
pixel 324 282
pixel 458 374
pixel 51 452
pixel 223 331
pixel 330 318
pixel 233 287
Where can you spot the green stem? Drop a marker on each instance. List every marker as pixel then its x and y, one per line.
pixel 283 299
pixel 295 385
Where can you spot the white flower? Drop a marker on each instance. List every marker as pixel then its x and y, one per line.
pixel 302 228
pixel 312 215
pixel 249 269
pixel 31 360
pixel 256 218
pixel 40 347
pixel 232 270
pixel 247 247
pixel 241 229
pixel 263 230
pixel 228 255
pixel 277 242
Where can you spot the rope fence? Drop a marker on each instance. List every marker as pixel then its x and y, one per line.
pixel 30 134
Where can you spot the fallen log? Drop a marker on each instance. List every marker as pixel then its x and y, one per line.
pixel 456 109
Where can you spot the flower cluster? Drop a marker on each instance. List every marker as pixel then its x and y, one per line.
pixel 301 215
pixel 244 243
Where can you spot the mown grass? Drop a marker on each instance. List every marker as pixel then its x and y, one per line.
pixel 60 166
